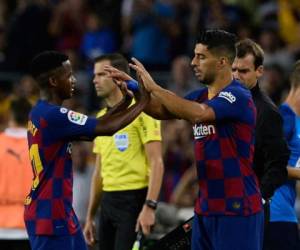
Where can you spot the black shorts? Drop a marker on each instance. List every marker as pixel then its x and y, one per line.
pixel 11 244
pixel 118 216
pixel 282 236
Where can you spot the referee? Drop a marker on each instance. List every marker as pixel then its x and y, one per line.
pixel 128 173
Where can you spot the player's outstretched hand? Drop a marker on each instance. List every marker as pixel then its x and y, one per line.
pixel 127 94
pixel 124 103
pixel 144 75
pixel 117 75
pixel 120 77
pixel 141 94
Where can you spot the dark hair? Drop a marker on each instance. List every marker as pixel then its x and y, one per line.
pixel 20 108
pixel 219 42
pixel 295 75
pixel 116 60
pixel 46 61
pixel 247 46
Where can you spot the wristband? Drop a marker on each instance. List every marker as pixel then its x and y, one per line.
pixel 132 85
pixel 151 203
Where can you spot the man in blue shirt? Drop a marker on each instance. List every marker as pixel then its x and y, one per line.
pixel 283 230
pixel 228 210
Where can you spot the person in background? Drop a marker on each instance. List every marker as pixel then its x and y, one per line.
pixel 128 172
pixel 182 78
pixel 83 171
pixel 283 230
pixel 15 177
pixel 271 150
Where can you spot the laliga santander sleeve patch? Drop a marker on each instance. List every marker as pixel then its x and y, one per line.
pixel 77 118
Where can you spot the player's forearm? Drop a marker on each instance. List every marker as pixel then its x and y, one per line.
pixel 155 179
pixel 108 125
pixel 183 185
pixel 95 194
pixel 183 109
pixel 153 151
pixel 178 193
pixel 155 109
pixel 120 106
pixel 293 173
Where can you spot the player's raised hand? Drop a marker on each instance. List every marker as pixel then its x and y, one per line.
pixel 141 94
pixel 120 77
pixel 146 78
pixel 125 91
pixel 117 75
pixel 125 102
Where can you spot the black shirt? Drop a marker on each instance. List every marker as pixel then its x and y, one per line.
pixel 271 150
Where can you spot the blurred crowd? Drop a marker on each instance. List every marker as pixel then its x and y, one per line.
pixel 161 34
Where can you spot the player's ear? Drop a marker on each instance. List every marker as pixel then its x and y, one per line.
pixel 52 81
pixel 222 62
pixel 259 71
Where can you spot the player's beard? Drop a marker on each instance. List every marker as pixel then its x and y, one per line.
pixel 209 78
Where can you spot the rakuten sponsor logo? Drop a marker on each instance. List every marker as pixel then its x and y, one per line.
pixel 201 130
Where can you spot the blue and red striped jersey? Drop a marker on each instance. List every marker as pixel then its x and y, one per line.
pixel 224 154
pixel 48 207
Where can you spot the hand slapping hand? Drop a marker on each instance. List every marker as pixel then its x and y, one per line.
pixel 144 75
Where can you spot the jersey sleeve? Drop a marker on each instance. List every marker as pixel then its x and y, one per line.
pixel 194 95
pixel 233 103
pixel 288 120
pixel 149 128
pixel 65 123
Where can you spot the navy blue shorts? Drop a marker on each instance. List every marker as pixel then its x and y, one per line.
pixel 228 232
pixel 58 242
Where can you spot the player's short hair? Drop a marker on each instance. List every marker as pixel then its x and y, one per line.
pixel 219 42
pixel 116 60
pixel 44 63
pixel 19 109
pixel 295 75
pixel 248 46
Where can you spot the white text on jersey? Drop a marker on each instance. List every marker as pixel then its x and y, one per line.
pixel 201 130
pixel 228 96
